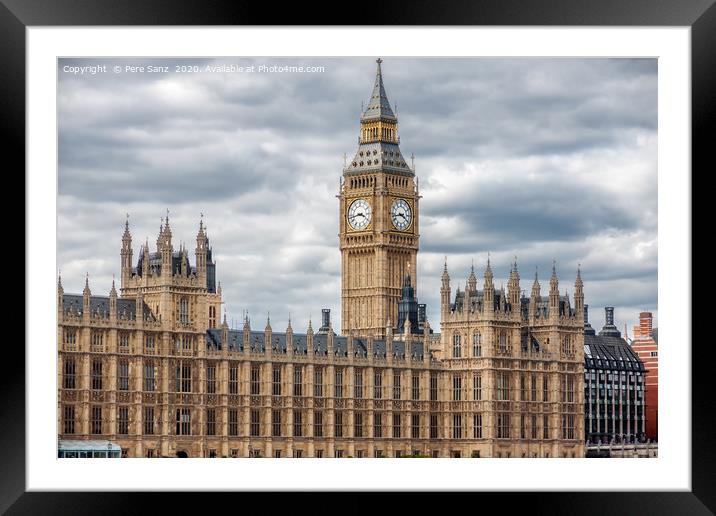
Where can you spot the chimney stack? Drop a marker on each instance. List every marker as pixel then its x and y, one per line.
pixel 325 321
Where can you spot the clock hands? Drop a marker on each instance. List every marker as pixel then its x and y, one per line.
pixel 359 209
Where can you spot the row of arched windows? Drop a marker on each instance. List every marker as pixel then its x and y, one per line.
pixel 362 182
pixel 398 181
pixel 372 132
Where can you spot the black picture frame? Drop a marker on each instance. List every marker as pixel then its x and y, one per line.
pixel 700 15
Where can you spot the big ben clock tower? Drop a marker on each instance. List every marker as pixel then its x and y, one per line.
pixel 378 222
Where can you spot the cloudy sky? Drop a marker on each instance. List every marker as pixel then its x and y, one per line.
pixel 540 159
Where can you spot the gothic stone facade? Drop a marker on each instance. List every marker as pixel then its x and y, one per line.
pixel 154 371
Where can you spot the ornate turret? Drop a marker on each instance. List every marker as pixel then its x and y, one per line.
pixel 164 247
pixel 246 336
pixel 224 333
pixel 554 291
pixel 471 280
pixel 489 288
pixel 289 337
pixel 202 245
pixel 309 338
pixel 60 296
pixel 445 293
pixel 126 255
pixel 113 301
pixel 268 336
pixel 579 295
pixel 86 294
pixel 513 286
pixel 534 298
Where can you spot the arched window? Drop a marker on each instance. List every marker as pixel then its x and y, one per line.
pixel 184 310
pixel 503 341
pixel 456 352
pixel 212 317
pixel 476 344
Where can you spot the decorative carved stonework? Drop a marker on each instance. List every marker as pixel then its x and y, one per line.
pixel 69 395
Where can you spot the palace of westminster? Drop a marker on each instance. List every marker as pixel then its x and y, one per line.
pixel 154 369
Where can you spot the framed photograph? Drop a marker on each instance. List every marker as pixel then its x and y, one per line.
pixel 400 253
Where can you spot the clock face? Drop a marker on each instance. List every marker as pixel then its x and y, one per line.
pixel 359 214
pixel 401 215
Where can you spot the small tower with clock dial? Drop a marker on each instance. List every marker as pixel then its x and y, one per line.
pixel 378 221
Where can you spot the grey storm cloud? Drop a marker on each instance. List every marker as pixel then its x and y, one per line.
pixel 542 159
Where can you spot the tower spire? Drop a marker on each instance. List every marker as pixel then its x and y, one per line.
pixel 472 279
pixel 579 292
pixel 488 272
pixel 378 105
pixel 445 293
pixel 514 286
pixel 86 290
pixel 554 281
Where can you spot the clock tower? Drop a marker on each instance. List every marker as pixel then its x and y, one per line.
pixel 378 222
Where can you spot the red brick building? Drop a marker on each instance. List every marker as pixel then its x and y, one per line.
pixel 646 345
